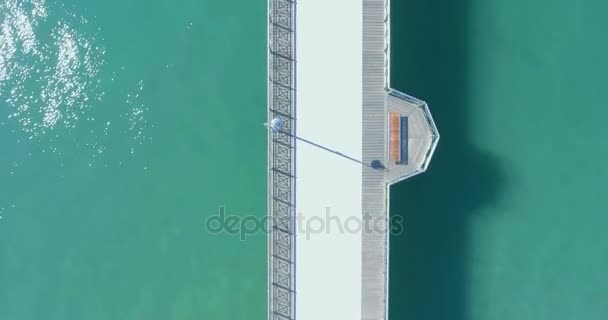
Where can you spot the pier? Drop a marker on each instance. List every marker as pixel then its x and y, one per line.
pixel 329 83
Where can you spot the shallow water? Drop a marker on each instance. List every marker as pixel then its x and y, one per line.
pixel 123 126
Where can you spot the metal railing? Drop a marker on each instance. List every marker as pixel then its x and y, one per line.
pixel 281 160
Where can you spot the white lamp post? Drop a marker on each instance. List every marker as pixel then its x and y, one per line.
pixel 276 125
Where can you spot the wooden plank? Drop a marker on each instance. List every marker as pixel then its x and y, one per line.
pixel 394 136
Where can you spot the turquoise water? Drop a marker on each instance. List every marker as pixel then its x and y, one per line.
pixel 124 124
pixel 510 221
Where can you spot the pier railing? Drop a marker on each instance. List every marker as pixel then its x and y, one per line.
pixel 281 160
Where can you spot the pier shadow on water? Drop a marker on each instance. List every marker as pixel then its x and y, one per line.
pixel 429 261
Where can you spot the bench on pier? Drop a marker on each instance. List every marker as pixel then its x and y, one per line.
pixel 398 138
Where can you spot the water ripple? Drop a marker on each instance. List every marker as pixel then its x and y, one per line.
pixel 46 82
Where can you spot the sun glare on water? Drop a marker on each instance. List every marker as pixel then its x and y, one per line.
pixel 51 62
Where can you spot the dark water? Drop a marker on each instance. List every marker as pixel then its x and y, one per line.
pixel 509 223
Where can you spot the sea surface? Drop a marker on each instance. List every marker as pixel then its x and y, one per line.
pixel 123 126
pixel 510 220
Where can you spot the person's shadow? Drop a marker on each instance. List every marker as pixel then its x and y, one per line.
pixel 429 261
